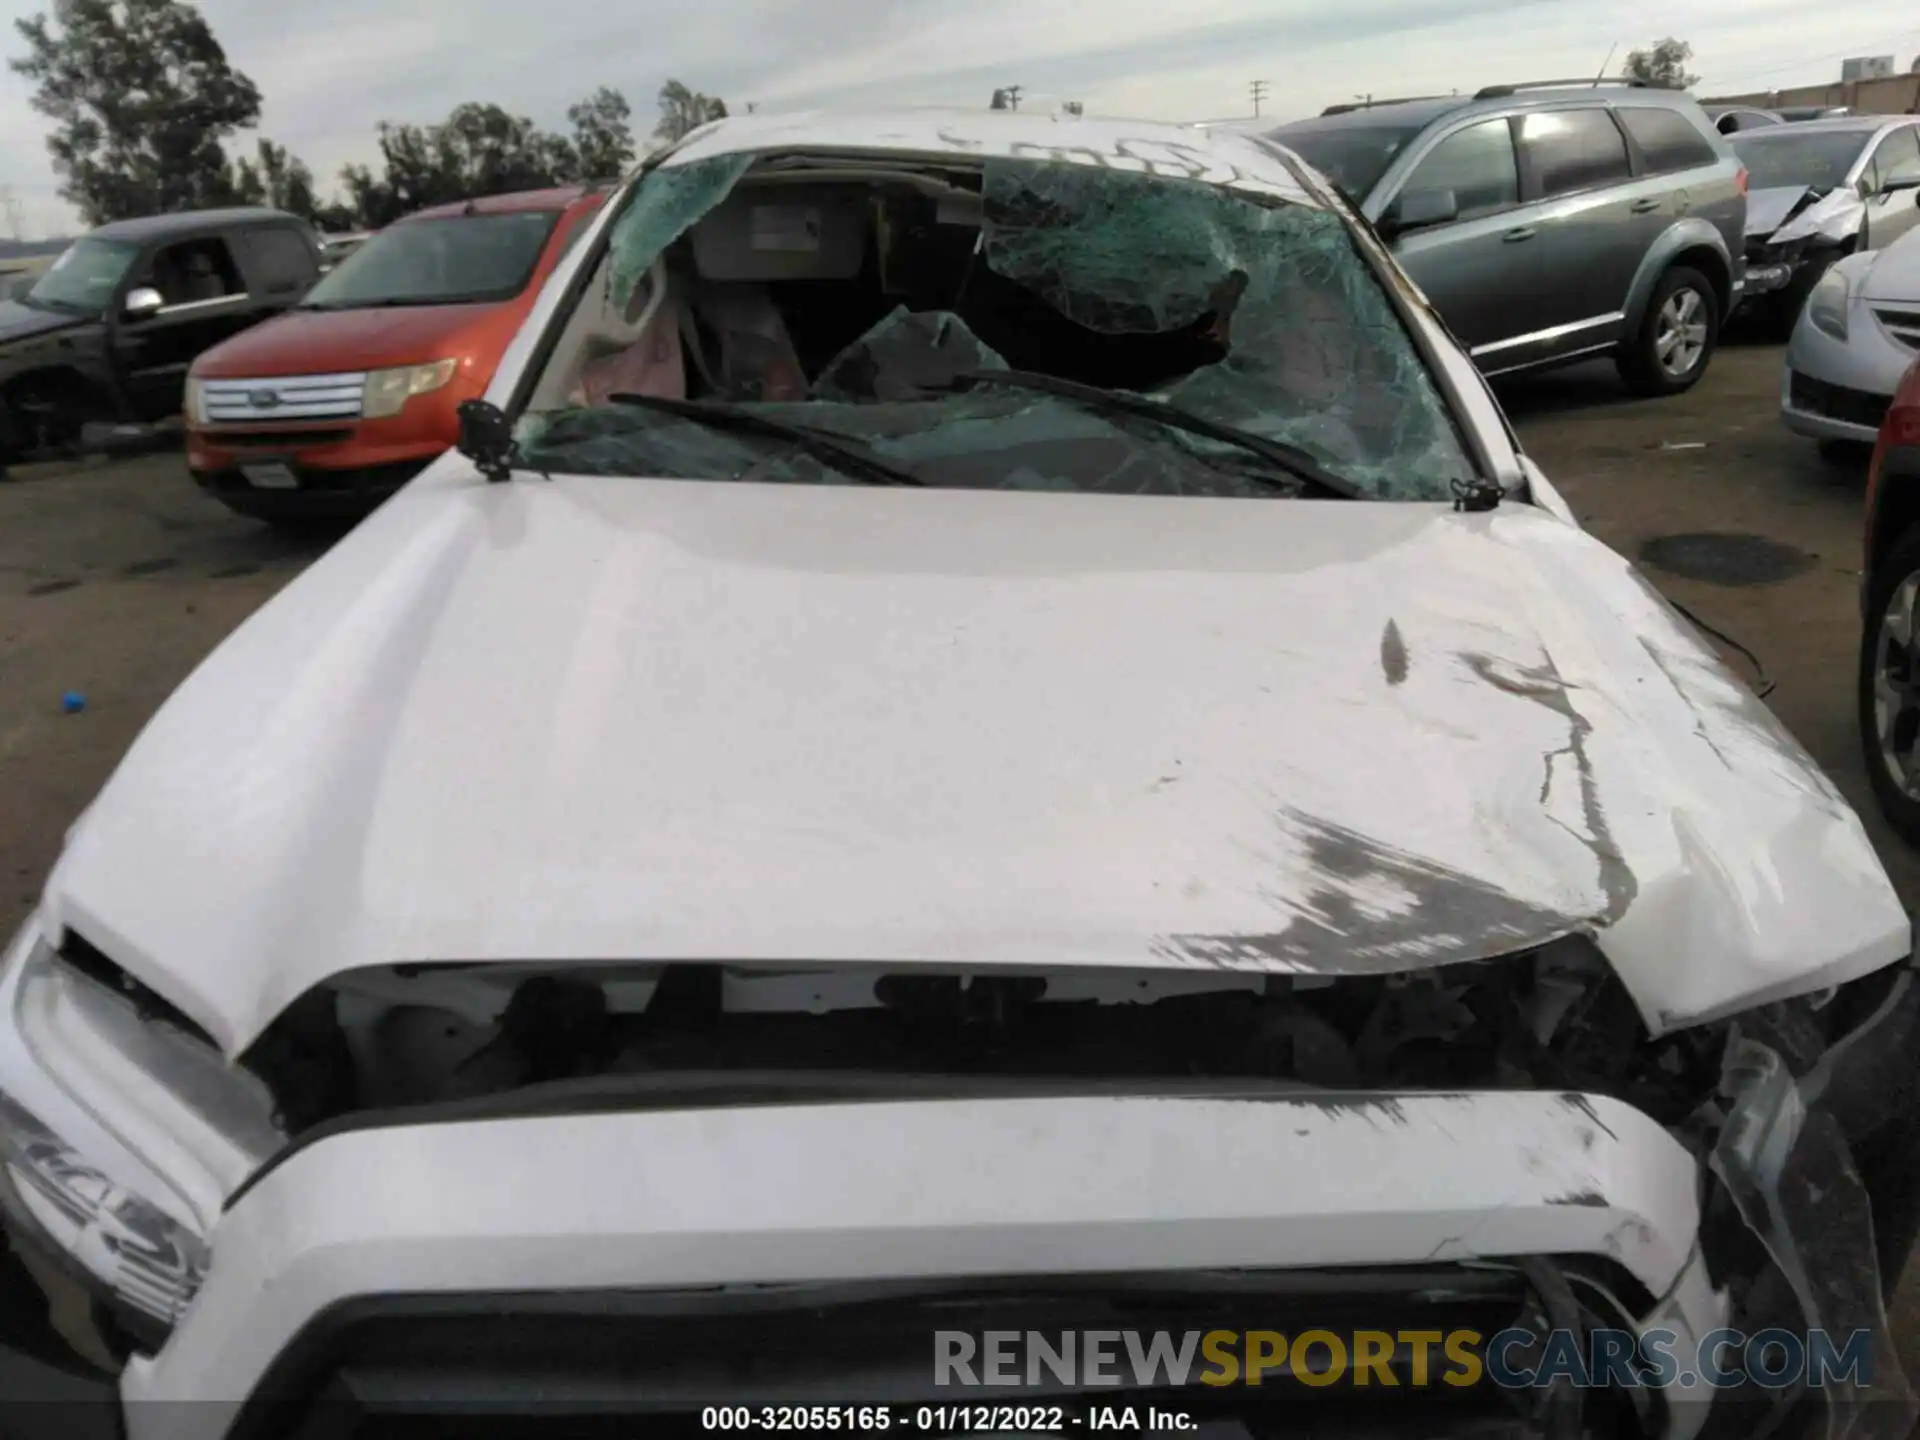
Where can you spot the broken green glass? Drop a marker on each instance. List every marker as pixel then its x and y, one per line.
pixel 664 207
pixel 1312 350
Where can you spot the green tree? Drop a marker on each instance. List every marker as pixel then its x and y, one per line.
pixel 1664 63
pixel 141 97
pixel 274 177
pixel 481 150
pixel 602 136
pixel 683 110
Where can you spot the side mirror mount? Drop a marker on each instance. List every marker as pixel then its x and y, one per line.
pixel 1420 210
pixel 144 301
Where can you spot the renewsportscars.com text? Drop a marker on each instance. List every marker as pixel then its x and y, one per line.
pixel 1512 1359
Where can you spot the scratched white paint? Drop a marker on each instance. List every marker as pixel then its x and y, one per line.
pixel 610 718
pixel 923 1189
pixel 1141 146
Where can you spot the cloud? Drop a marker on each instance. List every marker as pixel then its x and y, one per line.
pixel 331 71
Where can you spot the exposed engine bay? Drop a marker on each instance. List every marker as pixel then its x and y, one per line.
pixel 1791 1239
pixel 1555 1019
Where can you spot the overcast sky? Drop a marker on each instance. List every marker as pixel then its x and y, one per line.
pixel 330 69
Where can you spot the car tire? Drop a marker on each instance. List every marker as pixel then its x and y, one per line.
pixel 1897 573
pixel 50 415
pixel 1684 300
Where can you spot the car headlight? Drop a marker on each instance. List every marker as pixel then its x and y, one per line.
pixel 387 391
pixel 145 1259
pixel 1828 304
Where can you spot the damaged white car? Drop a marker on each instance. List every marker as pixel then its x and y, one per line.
pixel 989 731
pixel 1821 191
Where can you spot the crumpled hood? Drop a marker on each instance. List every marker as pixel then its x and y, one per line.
pixel 22 322
pixel 1768 209
pixel 1832 217
pixel 619 719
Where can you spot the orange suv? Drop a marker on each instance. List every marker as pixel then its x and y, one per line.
pixel 327 410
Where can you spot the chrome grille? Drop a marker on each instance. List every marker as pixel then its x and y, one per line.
pixel 285 397
pixel 1903 325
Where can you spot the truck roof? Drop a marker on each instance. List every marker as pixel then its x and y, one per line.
pixel 558 198
pixel 159 227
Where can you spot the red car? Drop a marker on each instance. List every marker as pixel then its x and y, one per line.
pixel 327 410
pixel 1890 598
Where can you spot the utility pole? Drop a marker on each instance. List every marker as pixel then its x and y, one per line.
pixel 1366 100
pixel 1258 88
pixel 11 204
pixel 1013 96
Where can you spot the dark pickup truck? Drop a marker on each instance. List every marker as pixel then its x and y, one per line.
pixel 108 331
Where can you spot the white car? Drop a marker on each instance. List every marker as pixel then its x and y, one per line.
pixel 1853 343
pixel 989 730
pixel 1821 189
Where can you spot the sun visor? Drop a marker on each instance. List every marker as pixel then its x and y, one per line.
pixel 784 234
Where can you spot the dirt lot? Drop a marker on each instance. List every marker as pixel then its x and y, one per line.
pixel 116 578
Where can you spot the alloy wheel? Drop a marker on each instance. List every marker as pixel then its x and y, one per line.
pixel 1680 339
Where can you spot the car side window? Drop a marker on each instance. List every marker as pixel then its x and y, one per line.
pixel 1897 159
pixel 1667 139
pixel 192 272
pixel 1477 164
pixel 1571 150
pixel 282 261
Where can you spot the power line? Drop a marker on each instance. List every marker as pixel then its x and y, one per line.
pixel 1258 89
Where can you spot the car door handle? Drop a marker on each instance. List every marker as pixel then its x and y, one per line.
pixel 1514 237
pixel 1643 207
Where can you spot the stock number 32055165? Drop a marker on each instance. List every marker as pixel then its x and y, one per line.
pixel 923 1419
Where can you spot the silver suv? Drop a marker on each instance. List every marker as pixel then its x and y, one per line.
pixel 1554 221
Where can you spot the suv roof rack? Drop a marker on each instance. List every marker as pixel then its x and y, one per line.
pixel 1350 106
pixel 1584 82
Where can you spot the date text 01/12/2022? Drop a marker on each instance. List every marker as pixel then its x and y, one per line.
pixel 944 1419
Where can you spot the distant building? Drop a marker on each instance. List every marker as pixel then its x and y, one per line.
pixel 1867 67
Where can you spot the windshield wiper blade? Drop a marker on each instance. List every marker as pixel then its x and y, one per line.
pixel 1290 458
pixel 835 451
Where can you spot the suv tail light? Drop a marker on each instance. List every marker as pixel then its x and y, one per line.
pixel 1740 180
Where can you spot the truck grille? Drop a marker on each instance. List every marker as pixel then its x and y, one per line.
pixel 621 1363
pixel 1903 325
pixel 285 397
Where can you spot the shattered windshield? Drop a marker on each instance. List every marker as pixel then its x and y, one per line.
pixel 878 304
